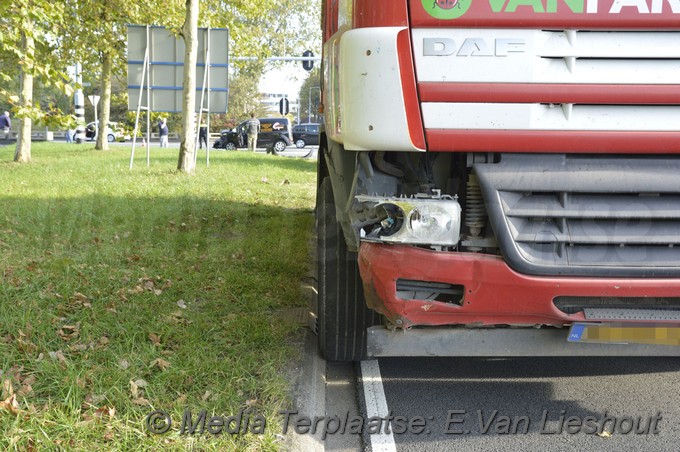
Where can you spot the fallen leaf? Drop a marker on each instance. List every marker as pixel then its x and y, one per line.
pixel 140 401
pixel 206 395
pixel 78 347
pixel 7 388
pixel 68 332
pixel 251 402
pixel 25 390
pixel 93 400
pixel 58 355
pixel 157 292
pixel 264 180
pixel 104 340
pixel 162 364
pixel 604 434
pixel 134 389
pixel 285 182
pixel 105 411
pixel 123 363
pixel 10 404
pixel 80 297
pixel 182 304
pixel 155 339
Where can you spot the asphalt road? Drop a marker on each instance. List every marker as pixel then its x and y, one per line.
pixel 477 404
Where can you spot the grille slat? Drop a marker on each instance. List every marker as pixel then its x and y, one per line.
pixel 615 226
pixel 583 206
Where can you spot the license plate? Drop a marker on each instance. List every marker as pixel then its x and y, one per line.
pixel 617 333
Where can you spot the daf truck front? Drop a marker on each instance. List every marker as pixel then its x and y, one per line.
pixel 499 177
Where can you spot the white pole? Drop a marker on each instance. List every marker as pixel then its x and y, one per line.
pixel 207 121
pixel 79 101
pixel 139 100
pixel 148 100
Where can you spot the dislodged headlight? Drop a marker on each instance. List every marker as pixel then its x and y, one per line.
pixel 419 221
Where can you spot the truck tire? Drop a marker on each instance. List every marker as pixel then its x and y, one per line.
pixel 341 309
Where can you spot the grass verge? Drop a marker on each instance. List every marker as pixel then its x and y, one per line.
pixel 124 292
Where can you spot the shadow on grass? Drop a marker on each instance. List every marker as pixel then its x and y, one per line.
pixel 178 294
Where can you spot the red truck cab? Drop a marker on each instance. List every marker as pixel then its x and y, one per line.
pixel 499 177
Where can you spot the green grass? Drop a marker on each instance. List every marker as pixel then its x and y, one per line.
pixel 96 264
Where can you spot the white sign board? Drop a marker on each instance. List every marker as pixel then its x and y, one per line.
pixel 166 60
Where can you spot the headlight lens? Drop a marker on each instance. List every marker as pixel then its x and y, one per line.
pixel 424 221
pixel 431 222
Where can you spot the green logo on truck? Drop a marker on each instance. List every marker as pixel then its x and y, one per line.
pixel 446 9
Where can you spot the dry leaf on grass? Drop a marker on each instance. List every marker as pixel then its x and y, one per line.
pixel 141 401
pixel 136 387
pixel 155 339
pixel 80 297
pixel 58 355
pixel 105 411
pixel 7 388
pixel 162 364
pixel 10 404
pixel 68 332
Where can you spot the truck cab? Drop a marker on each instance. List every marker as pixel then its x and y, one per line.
pixel 499 178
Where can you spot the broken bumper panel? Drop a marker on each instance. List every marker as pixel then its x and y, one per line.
pixel 492 293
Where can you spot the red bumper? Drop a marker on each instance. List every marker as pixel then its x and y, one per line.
pixel 494 293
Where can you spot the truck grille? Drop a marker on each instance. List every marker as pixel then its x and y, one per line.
pixel 561 215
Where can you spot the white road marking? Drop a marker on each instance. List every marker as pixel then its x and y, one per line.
pixel 376 405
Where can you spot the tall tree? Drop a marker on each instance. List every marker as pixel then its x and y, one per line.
pixel 310 97
pixel 187 147
pixel 25 37
pixel 95 35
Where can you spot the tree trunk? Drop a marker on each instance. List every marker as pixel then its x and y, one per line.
pixel 187 147
pixel 23 149
pixel 105 104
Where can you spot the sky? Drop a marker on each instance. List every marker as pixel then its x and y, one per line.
pixel 286 79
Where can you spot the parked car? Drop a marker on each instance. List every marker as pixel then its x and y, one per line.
pixel 304 134
pixel 113 132
pixel 274 133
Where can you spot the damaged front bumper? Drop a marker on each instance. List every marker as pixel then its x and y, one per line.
pixel 414 286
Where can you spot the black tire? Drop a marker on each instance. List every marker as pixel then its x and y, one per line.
pixel 341 309
pixel 111 138
pixel 300 143
pixel 230 146
pixel 279 146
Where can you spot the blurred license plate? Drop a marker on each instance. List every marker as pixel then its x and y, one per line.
pixel 614 333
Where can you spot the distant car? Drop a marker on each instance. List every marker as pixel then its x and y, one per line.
pixel 275 133
pixel 304 134
pixel 113 132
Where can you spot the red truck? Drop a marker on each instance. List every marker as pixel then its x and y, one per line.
pixel 499 178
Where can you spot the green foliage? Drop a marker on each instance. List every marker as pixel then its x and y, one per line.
pixel 37 20
pixel 311 86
